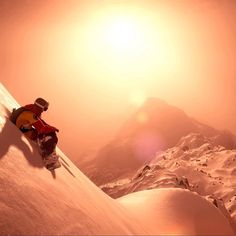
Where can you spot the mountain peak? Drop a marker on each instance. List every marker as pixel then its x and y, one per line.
pixel 154 127
pixel 154 101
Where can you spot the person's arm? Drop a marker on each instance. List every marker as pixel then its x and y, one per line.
pixel 43 128
pixel 26 127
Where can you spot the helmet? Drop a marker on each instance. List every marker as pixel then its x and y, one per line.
pixel 43 104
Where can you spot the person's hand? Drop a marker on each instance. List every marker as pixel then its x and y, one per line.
pixel 48 129
pixel 26 127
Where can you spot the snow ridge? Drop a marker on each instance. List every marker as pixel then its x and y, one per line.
pixel 196 163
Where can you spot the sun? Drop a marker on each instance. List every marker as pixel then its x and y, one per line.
pixel 123 34
pixel 123 49
pixel 122 42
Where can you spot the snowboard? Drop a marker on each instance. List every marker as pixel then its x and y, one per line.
pixel 52 161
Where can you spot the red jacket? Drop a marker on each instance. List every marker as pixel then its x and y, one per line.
pixel 40 125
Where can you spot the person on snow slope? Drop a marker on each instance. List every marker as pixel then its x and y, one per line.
pixel 28 119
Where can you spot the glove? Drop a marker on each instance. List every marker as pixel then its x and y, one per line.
pixel 47 129
pixel 26 127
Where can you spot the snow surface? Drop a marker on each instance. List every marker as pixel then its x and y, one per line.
pixel 175 211
pixel 196 163
pixel 36 201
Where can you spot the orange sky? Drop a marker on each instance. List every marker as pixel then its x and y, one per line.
pixel 95 61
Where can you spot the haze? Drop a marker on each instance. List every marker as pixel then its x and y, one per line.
pixel 97 61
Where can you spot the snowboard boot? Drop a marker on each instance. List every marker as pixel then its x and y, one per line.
pixel 52 162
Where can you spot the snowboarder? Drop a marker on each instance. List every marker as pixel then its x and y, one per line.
pixel 28 119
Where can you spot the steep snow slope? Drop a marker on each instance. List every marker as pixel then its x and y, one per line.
pixel 36 201
pixel 176 212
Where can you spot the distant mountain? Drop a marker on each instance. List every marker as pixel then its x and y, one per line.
pixel 155 126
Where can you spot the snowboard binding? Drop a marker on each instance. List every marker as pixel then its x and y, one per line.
pixel 52 162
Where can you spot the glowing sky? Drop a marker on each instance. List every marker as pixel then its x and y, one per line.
pixel 95 61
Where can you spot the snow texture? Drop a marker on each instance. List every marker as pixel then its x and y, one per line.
pixel 175 211
pixel 196 163
pixel 34 201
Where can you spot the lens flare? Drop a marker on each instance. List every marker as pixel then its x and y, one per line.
pixel 146 144
pixel 142 117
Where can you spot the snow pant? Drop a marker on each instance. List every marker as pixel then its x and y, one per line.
pixel 47 144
